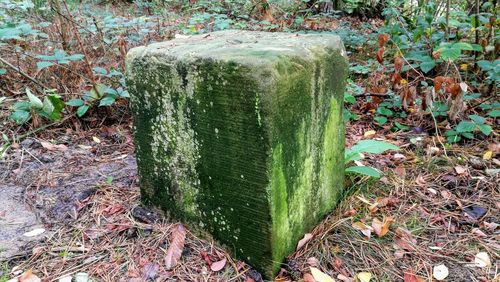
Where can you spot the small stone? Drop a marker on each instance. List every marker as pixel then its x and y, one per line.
pixel 477 163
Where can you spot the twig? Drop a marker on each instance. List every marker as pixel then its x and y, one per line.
pixel 22 73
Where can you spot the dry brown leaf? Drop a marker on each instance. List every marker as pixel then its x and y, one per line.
pixel 303 241
pixel 380 55
pixel 174 251
pixel 28 276
pixel 404 239
pixel 382 227
pixel 383 38
pixel 218 265
pixel 410 277
pixel 460 170
pixel 53 147
pixel 320 276
pixel 365 229
pixel 308 278
pixel 420 180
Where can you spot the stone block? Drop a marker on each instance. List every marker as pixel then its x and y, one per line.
pixel 240 134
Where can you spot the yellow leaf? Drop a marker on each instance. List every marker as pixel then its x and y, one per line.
pixel 365 229
pixel 488 155
pixel 320 276
pixel 403 81
pixel 381 227
pixel 463 67
pixel 364 276
pixel 369 133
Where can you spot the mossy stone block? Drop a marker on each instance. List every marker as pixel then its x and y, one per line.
pixel 240 134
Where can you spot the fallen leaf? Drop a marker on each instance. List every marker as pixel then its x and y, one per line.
pixel 399 157
pixel 320 276
pixel 420 180
pixel 34 232
pixel 174 251
pixel 381 227
pixel 482 259
pixel 410 277
pixel 82 277
pixel 312 261
pixel 308 278
pixel 488 155
pixel 28 276
pixel 344 278
pixel 65 279
pixel 303 241
pixel 112 209
pixel 478 232
pixel 218 265
pixel 404 239
pixel 400 171
pixel 369 133
pixel 440 272
pixel 460 170
pixel 53 147
pixel 490 225
pixel 365 229
pixel 150 271
pixel 97 140
pixel 364 276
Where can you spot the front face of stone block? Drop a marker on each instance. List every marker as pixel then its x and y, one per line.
pixel 241 134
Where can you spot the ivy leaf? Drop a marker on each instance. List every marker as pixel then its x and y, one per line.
pixel 20 117
pixel 75 102
pixel 380 120
pixel 364 170
pixel 373 146
pixel 107 100
pixel 465 126
pixel 494 113
pixel 81 110
pixel 44 64
pixel 485 129
pixel 477 119
pixel 427 66
pixel 34 100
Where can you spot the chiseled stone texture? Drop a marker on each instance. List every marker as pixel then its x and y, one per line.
pixel 240 134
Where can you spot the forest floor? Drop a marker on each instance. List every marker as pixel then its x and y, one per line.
pixel 71 207
pixel 84 193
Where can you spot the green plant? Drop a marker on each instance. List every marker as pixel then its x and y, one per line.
pixel 468 128
pixel 356 152
pixel 51 107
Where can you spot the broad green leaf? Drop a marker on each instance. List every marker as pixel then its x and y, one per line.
pixel 364 170
pixel 373 146
pixel 100 71
pixel 3 71
pixel 477 119
pixel 81 110
pixel 450 53
pixel 351 156
pixel 107 100
pixel 465 126
pixel 427 66
pixel 44 64
pixel 485 129
pixel 21 106
pixel 462 46
pixel 20 117
pixel 349 98
pixel 494 113
pixel 468 135
pixel 380 120
pixel 385 111
pixel 75 102
pixel 485 65
pixel 34 100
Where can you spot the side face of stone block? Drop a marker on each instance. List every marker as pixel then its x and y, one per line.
pixel 241 134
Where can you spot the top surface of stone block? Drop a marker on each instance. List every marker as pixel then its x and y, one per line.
pixel 253 47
